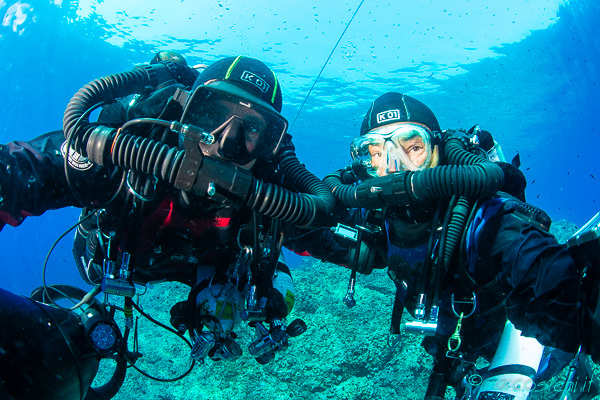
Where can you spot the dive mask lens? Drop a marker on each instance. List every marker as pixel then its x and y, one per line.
pixel 393 148
pixel 210 108
pixel 365 150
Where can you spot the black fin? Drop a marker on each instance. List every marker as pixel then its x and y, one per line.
pixel 516 161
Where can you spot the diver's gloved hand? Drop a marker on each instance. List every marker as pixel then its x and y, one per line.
pixel 276 306
pixel 182 316
pixel 164 71
pixel 286 145
pixel 177 65
pixel 467 139
pixel 185 74
pixel 154 104
pixel 514 180
pixel 346 176
pixel 181 73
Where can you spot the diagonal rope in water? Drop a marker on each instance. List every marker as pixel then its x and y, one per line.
pixel 328 58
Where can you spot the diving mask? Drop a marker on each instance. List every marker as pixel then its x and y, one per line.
pixel 396 147
pixel 239 127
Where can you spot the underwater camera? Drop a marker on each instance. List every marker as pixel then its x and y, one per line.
pixel 52 353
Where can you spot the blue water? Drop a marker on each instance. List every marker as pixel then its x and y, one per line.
pixel 529 73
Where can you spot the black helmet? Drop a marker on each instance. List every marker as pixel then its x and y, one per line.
pixel 248 74
pixel 168 55
pixel 397 107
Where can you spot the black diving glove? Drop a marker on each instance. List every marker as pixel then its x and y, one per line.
pixel 276 307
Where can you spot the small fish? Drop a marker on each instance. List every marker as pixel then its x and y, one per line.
pixel 593 177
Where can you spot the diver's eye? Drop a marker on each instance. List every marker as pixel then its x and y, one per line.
pixel 416 149
pixel 249 128
pixel 375 150
pixel 254 124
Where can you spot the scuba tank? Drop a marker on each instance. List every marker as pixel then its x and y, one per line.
pixel 515 363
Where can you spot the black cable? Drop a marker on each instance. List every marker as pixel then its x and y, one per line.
pixel 430 254
pixel 325 64
pixel 307 233
pixel 158 323
pixel 441 257
pixel 48 257
pixel 136 341
pixel 152 121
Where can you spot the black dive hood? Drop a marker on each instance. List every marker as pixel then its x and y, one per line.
pixel 468 175
pixel 187 169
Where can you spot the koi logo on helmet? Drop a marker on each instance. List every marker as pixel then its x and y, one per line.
pixel 260 83
pixel 388 115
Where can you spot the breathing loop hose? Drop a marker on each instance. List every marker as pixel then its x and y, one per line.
pixel 109 88
pixel 301 208
pixel 457 154
pixel 147 156
pixel 456 227
pixel 468 175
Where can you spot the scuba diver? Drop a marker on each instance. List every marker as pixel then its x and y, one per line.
pixel 185 177
pixel 467 254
